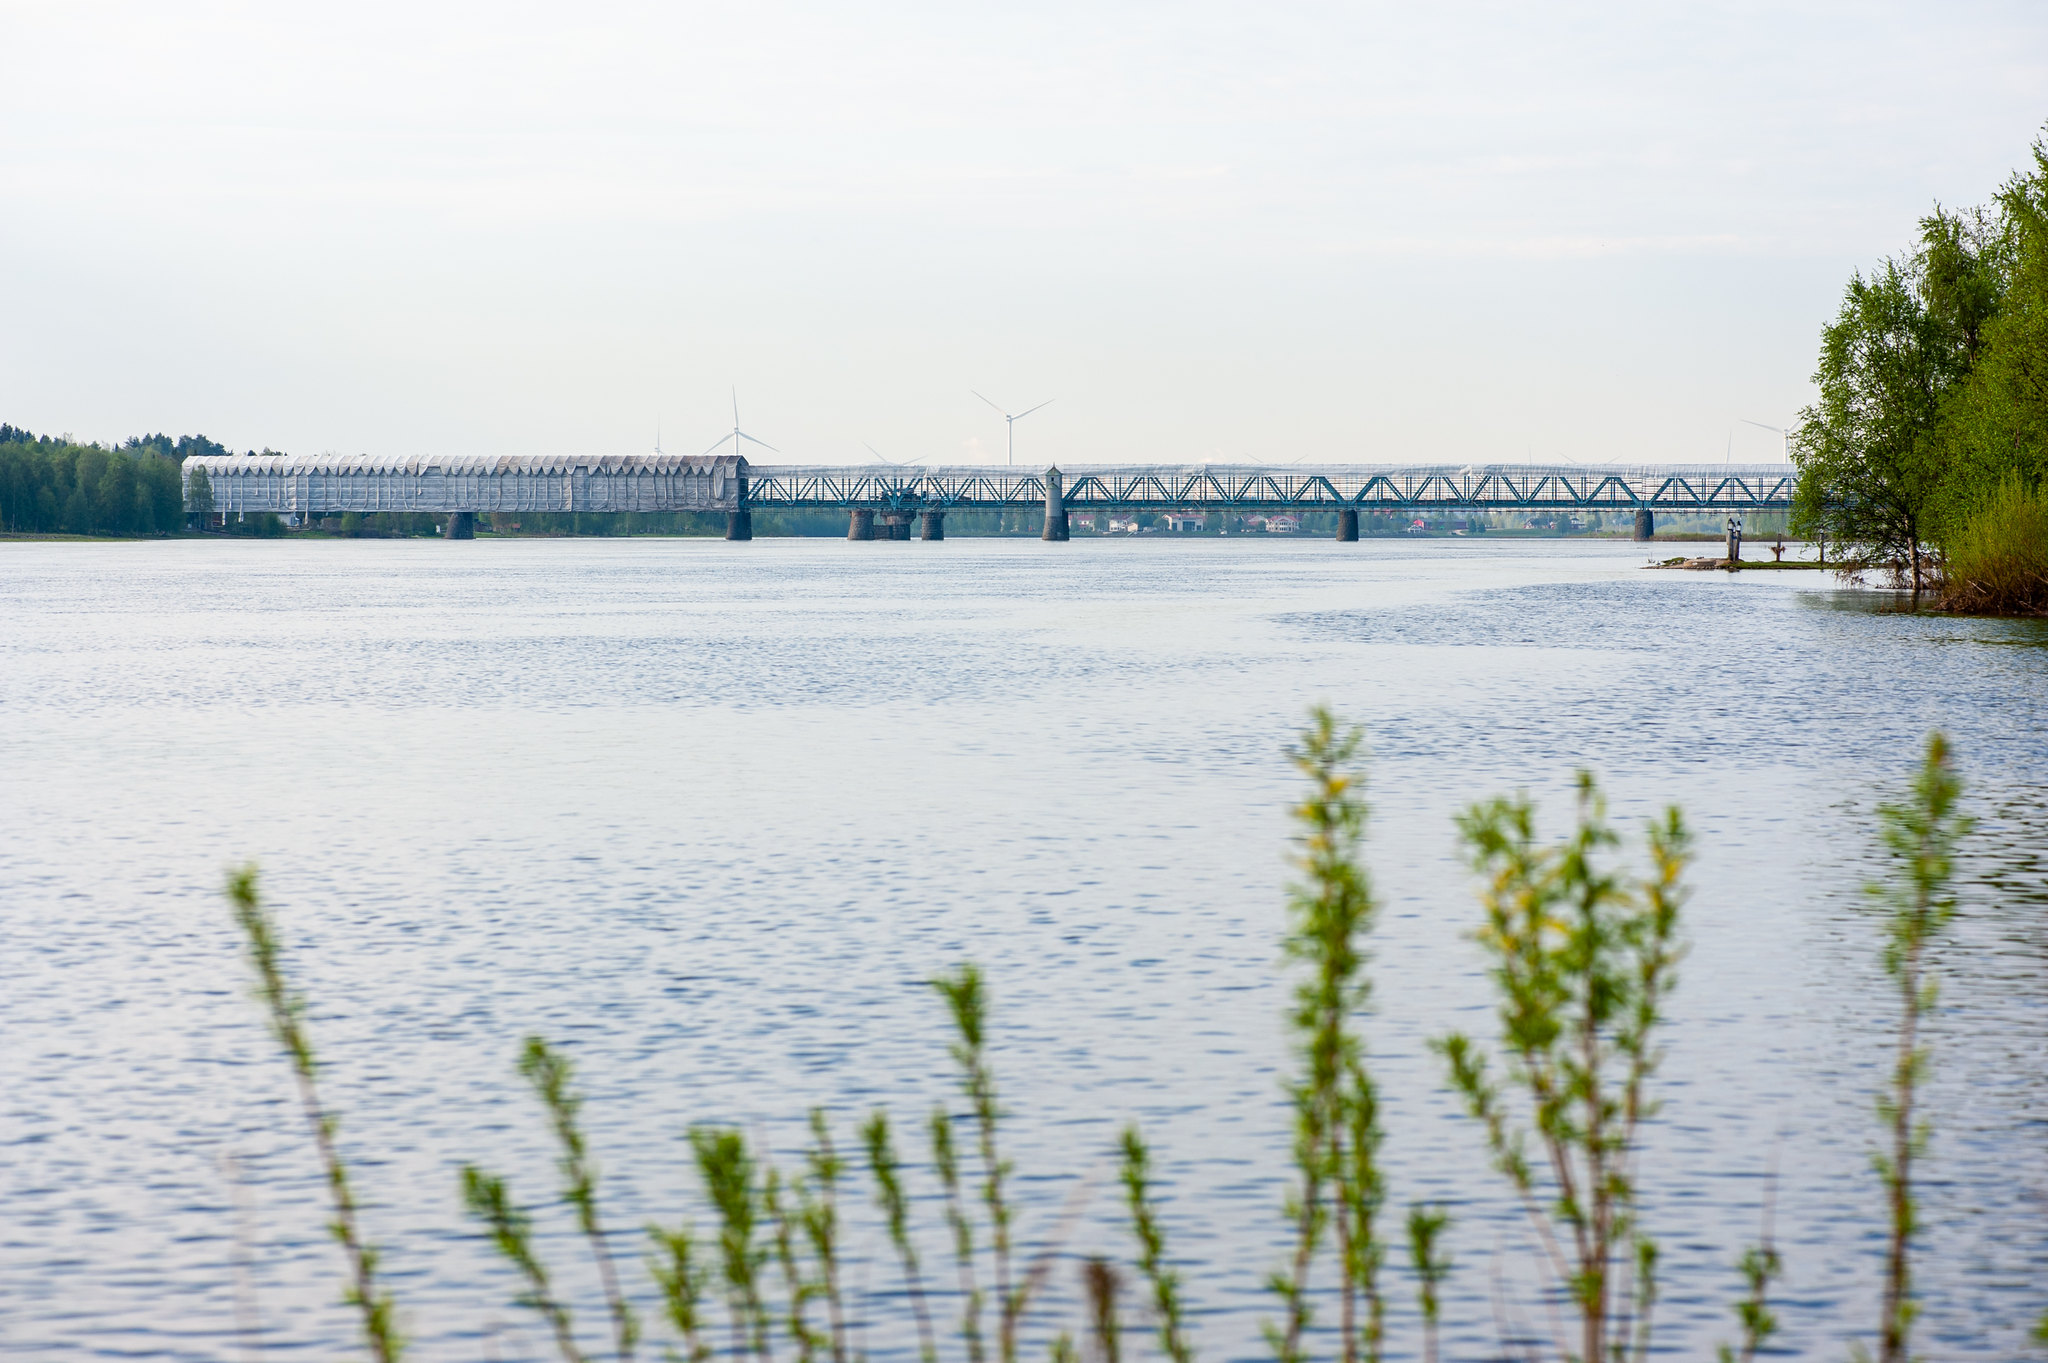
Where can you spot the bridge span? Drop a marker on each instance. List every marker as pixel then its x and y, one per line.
pixel 307 487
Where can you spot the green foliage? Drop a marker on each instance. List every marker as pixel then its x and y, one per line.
pixel 1426 1226
pixel 1582 964
pixel 286 1010
pixel 1919 837
pixel 967 1001
pixel 889 1196
pixel 682 1278
pixel 1869 452
pixel 1165 1283
pixel 199 493
pixel 51 487
pixel 1582 959
pixel 1998 420
pixel 1336 1125
pixel 1998 560
pixel 549 1072
pixel 818 1209
pixel 733 1183
pixel 1933 387
pixel 946 1160
pixel 487 1200
pixel 1759 1267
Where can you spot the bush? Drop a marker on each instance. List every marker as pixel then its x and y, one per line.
pixel 1998 562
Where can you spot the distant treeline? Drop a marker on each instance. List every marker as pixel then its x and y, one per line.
pixel 1927 452
pixel 52 485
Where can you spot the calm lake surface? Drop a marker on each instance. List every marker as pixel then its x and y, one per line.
pixel 708 814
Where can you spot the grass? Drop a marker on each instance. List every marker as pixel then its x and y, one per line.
pixel 1582 955
pixel 1998 562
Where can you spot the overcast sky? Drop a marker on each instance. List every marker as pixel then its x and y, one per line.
pixel 1371 232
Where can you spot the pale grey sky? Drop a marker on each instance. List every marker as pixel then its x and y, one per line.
pixel 1376 232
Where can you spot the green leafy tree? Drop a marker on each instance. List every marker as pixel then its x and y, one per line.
pixel 1998 420
pixel 1870 452
pixel 198 492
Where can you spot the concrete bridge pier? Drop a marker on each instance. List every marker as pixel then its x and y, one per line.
pixel 1055 508
pixel 739 525
pixel 931 525
pixel 860 524
pixel 895 527
pixel 1646 523
pixel 1347 526
pixel 461 525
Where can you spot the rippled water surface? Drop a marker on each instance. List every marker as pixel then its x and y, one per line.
pixel 708 814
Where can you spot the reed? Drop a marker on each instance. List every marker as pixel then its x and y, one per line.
pixel 818 1207
pixel 1336 1122
pixel 732 1182
pixel 1582 959
pixel 783 1237
pixel 947 1162
pixel 1426 1226
pixel 487 1199
pixel 1165 1283
pixel 549 1072
pixel 1582 963
pixel 967 1001
pixel 1759 1267
pixel 1102 1285
pixel 1919 837
pixel 285 1008
pixel 895 1207
pixel 682 1280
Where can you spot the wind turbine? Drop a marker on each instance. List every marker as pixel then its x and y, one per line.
pixel 892 463
pixel 1782 435
pixel 1013 420
pixel 737 434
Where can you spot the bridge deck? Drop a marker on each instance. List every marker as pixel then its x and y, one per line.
pixel 329 484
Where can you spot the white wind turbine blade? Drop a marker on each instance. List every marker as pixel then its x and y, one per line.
pixel 978 393
pixel 1029 410
pixel 742 435
pixel 716 445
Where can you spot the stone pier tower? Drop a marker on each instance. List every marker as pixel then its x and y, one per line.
pixel 1055 507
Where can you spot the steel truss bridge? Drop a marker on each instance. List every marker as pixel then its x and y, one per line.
pixel 306 488
pixel 1256 487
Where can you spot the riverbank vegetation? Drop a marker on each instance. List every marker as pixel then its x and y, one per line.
pixel 54 486
pixel 1582 955
pixel 1926 455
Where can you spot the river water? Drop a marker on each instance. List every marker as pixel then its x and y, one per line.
pixel 708 814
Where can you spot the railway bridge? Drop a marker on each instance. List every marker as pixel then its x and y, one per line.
pixel 881 500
